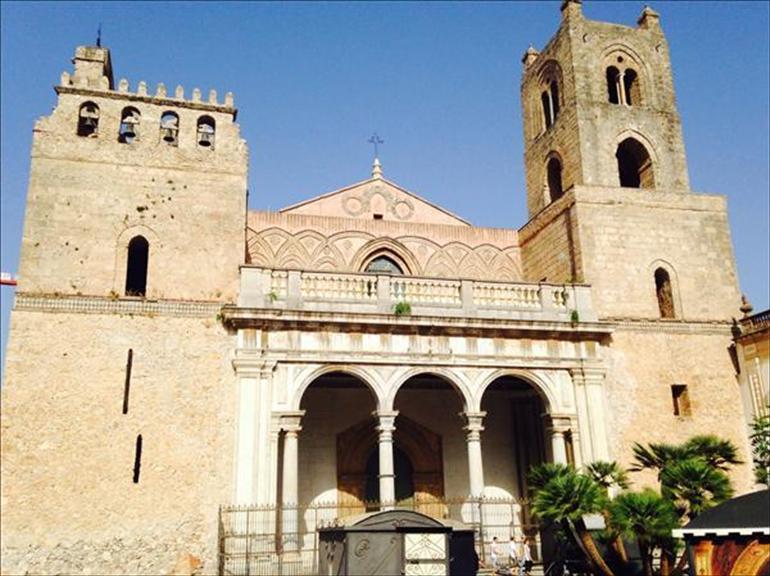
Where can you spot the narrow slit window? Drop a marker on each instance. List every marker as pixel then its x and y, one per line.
pixel 548 119
pixel 681 400
pixel 631 87
pixel 138 459
pixel 664 293
pixel 127 385
pixel 555 188
pixel 555 99
pixel 613 93
pixel 136 268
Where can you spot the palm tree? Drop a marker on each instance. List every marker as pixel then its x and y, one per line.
pixel 538 476
pixel 718 453
pixel 656 456
pixel 565 499
pixel 609 475
pixel 646 516
pixel 693 485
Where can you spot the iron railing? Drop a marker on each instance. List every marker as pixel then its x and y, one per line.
pixel 283 541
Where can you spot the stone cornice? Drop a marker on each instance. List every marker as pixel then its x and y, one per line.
pixel 120 306
pixel 671 326
pixel 267 318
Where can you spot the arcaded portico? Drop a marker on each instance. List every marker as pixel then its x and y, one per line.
pixel 366 405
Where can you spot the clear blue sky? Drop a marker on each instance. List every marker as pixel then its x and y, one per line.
pixel 439 81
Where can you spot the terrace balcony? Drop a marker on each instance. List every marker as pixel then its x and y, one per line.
pixel 294 292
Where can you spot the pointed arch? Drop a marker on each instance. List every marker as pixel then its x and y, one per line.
pixel 389 247
pixel 640 159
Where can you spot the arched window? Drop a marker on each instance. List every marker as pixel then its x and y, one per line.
pixel 555 99
pixel 383 265
pixel 129 125
pixel 634 165
pixel 206 131
pixel 555 189
pixel 136 267
pixel 613 86
pixel 547 117
pixel 88 120
pixel 631 87
pixel 169 128
pixel 664 293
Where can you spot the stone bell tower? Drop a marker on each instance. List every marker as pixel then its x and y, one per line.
pixel 608 191
pixel 599 109
pixel 133 192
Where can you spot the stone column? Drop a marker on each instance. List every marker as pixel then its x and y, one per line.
pixel 254 380
pixel 559 426
pixel 385 428
pixel 473 429
pixel 589 393
pixel 290 495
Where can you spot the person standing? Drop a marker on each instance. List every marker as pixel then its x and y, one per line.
pixel 494 552
pixel 513 553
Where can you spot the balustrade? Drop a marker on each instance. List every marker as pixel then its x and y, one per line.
pixel 373 293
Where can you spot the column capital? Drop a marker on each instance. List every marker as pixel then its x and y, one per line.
pixel 246 367
pixel 290 421
pixel 386 420
pixel 587 375
pixel 474 421
pixel 557 424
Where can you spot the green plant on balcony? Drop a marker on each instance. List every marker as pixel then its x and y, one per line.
pixel 402 308
pixel 574 317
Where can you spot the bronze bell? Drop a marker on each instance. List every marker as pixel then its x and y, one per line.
pixel 205 136
pixel 168 134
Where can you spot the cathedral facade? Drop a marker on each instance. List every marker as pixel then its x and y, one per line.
pixel 172 352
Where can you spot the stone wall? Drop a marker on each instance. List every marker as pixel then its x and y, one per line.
pixel 68 497
pixel 644 361
pixel 627 234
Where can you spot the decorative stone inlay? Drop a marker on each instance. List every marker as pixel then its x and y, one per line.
pixel 99 305
pixel 401 209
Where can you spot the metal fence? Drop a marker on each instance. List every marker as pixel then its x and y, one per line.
pixel 283 541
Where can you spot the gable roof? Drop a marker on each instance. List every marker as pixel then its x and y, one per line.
pixel 376 198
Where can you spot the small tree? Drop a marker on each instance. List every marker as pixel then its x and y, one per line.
pixel 564 499
pixel 760 444
pixel 647 517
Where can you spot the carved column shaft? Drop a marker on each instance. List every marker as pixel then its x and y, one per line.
pixel 385 428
